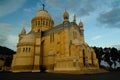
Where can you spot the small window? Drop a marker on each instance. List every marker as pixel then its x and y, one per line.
pixel 38 22
pixel 23 49
pixel 26 49
pixel 29 49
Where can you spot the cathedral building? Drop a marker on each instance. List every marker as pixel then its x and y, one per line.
pixel 58 48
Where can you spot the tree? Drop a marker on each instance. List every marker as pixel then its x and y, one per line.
pixel 8 61
pixel 6 54
pixel 107 56
pixel 114 56
pixel 99 54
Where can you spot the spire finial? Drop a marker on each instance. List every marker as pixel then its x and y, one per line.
pixel 81 23
pixel 66 15
pixel 74 18
pixel 43 6
pixel 43 3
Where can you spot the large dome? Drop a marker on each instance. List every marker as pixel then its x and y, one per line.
pixel 43 14
pixel 29 38
pixel 42 21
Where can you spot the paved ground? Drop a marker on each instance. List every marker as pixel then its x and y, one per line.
pixel 59 76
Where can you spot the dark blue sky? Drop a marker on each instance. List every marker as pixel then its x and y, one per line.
pixel 101 19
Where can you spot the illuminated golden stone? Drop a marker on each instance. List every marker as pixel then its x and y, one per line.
pixel 58 48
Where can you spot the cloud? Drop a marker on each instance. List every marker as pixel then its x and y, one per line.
pixel 82 8
pixel 11 41
pixel 25 24
pixel 10 6
pixel 5 25
pixel 28 9
pixel 96 37
pixel 2 39
pixel 115 3
pixel 116 46
pixel 110 18
pixel 35 8
pixel 79 7
pixel 74 6
pixel 4 29
pixel 6 36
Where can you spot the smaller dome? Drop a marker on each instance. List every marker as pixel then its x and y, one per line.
pixel 29 38
pixel 81 24
pixel 66 15
pixel 23 31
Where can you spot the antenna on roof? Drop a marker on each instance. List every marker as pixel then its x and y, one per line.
pixel 43 3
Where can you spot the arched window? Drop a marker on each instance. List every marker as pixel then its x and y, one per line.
pixel 26 49
pixel 23 49
pixel 29 49
pixel 36 23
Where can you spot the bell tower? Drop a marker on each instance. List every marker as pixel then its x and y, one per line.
pixel 81 30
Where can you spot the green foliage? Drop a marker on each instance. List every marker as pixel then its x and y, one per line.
pixel 6 54
pixel 6 51
pixel 109 55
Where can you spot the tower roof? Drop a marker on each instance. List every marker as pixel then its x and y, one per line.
pixel 81 24
pixel 23 31
pixel 66 15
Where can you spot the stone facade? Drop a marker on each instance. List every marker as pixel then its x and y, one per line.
pixel 58 48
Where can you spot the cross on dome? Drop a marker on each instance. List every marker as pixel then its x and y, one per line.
pixel 43 6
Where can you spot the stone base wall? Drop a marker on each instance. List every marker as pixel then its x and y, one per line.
pixel 23 67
